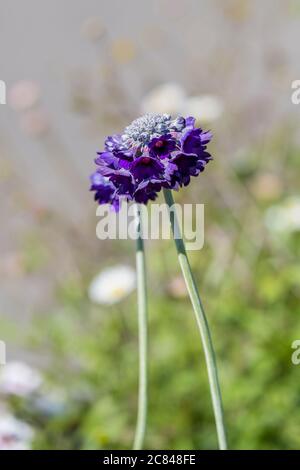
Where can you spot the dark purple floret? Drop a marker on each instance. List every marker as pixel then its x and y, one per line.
pixel 147 190
pixel 103 187
pixel 161 147
pixel 154 152
pixel 146 168
pixel 194 141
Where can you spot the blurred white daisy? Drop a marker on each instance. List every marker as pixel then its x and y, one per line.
pixel 166 98
pixel 112 285
pixel 205 108
pixel 172 98
pixel 17 378
pixel 14 434
pixel 284 217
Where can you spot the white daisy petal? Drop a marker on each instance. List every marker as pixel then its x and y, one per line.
pixel 112 285
pixel 205 108
pixel 284 217
pixel 166 98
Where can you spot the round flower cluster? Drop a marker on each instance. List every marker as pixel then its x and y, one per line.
pixel 154 152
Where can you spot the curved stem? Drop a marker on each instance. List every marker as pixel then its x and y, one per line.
pixel 202 324
pixel 143 346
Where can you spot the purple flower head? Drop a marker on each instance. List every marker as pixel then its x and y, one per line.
pixel 155 151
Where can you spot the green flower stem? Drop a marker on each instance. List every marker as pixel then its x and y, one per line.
pixel 202 324
pixel 143 341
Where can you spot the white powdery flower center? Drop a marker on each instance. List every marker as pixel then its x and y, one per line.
pixel 145 128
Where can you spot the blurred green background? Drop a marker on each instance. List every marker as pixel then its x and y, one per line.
pixel 76 72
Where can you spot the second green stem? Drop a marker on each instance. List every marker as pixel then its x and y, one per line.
pixel 201 322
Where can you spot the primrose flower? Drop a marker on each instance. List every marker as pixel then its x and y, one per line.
pixel 112 285
pixel 154 152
